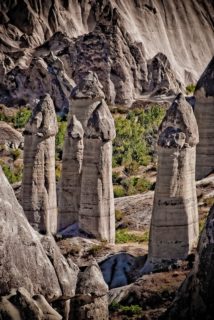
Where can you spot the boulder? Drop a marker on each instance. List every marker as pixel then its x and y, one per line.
pixel 91 300
pixel 10 137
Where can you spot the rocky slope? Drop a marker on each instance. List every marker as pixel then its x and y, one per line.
pixel 118 40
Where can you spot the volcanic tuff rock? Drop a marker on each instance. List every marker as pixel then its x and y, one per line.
pixel 159 26
pixel 174 225
pixel 24 262
pixel 195 297
pixel 131 45
pixel 87 163
pixel 91 300
pixel 204 113
pixel 9 137
pixel 19 305
pixel 39 183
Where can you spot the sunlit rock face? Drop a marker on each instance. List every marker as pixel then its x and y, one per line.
pixel 174 225
pixel 195 297
pixel 39 183
pixel 86 192
pixel 204 113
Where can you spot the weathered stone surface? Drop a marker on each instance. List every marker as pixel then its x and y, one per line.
pixel 43 75
pixel 174 225
pixel 195 296
pixel 70 183
pixel 91 301
pixel 9 137
pixel 24 262
pixel 66 272
pixel 204 113
pixel 114 39
pixel 39 185
pixel 20 305
pixel 91 162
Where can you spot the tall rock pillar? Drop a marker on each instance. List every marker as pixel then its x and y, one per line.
pixel 39 183
pixel 204 113
pixel 174 225
pixel 87 164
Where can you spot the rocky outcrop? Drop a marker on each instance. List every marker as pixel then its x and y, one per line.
pixel 174 225
pixel 24 262
pixel 9 137
pixel 91 300
pixel 87 163
pixel 26 24
pixel 132 47
pixel 19 305
pixel 39 185
pixel 204 113
pixel 195 296
pixel 43 75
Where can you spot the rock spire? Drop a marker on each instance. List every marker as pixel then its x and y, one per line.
pixel 39 184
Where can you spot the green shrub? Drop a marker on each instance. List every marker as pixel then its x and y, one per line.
pixel 13 174
pixel 190 88
pixel 118 215
pixel 125 236
pixel 130 147
pixel 15 153
pixel 119 191
pixel 60 137
pixel 22 117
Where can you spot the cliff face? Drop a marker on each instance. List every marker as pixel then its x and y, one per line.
pixel 114 38
pixel 182 30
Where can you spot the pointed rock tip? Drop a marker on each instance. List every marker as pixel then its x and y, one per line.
pixel 88 87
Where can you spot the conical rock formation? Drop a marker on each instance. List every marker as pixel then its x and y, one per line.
pixel 87 163
pixel 204 113
pixel 174 225
pixel 39 183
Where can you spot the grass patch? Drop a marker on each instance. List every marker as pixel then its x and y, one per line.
pixel 131 310
pixel 125 236
pixel 131 186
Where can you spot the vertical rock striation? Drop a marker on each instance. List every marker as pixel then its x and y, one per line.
pixel 174 226
pixel 87 163
pixel 204 112
pixel 39 185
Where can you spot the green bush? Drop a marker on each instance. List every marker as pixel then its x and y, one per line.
pixel 60 137
pixel 131 147
pixel 13 174
pixel 190 88
pixel 118 215
pixel 125 236
pixel 15 153
pixel 119 191
pixel 22 117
